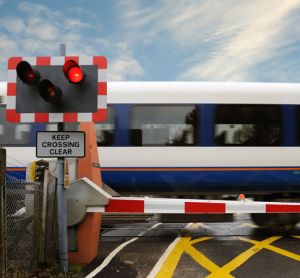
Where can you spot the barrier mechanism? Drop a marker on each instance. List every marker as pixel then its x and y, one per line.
pixel 83 193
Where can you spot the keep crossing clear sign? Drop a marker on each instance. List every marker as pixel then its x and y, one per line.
pixel 60 144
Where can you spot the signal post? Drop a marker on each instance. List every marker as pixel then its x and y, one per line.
pixel 57 90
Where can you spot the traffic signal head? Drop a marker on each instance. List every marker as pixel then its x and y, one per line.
pixel 57 89
pixel 73 72
pixel 27 74
pixel 49 92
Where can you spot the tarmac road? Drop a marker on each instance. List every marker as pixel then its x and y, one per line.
pixel 237 249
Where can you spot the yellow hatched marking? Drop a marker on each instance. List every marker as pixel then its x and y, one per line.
pixel 201 259
pixel 197 240
pixel 184 245
pixel 242 258
pixel 245 225
pixel 278 250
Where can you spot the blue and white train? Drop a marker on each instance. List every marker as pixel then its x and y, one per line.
pixel 189 138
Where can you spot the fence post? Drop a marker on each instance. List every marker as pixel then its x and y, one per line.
pixel 2 214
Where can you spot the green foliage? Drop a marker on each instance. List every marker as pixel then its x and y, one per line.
pixel 75 269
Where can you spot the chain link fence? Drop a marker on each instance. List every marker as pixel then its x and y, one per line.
pixel 29 225
pixel 2 214
pixel 23 223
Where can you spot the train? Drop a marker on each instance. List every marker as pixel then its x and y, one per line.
pixel 195 139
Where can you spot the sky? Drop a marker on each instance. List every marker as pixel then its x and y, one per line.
pixel 161 40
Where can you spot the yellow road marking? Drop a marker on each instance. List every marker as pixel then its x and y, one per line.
pixel 245 225
pixel 197 240
pixel 184 245
pixel 200 258
pixel 278 250
pixel 242 258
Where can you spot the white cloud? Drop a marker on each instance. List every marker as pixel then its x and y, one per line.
pixel 46 28
pixel 83 12
pixel 7 45
pixel 12 24
pixel 254 43
pixel 39 10
pixel 224 39
pixel 75 23
pixel 42 29
pixel 122 65
pixel 124 68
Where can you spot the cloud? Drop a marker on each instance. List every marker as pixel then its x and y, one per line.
pixel 40 30
pixel 75 23
pixel 124 68
pixel 221 40
pixel 255 43
pixel 82 12
pixel 44 30
pixel 13 25
pixel 122 65
pixel 7 45
pixel 39 10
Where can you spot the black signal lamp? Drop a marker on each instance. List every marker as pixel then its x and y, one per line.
pixel 73 72
pixel 49 92
pixel 27 74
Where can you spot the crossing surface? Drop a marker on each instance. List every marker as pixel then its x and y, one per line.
pixel 237 249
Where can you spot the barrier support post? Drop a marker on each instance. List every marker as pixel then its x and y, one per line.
pixel 88 231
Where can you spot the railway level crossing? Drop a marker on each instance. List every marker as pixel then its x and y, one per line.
pixel 85 200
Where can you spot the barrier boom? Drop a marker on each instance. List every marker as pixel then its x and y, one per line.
pixel 86 197
pixel 180 206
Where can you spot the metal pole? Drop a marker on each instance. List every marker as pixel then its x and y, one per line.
pixel 61 198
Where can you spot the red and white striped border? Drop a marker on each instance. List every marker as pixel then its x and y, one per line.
pixel 180 206
pixel 99 116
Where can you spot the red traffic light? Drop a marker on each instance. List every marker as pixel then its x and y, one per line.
pixel 27 74
pixel 49 92
pixel 73 72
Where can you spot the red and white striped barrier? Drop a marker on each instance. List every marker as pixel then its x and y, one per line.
pixel 164 205
pixel 84 196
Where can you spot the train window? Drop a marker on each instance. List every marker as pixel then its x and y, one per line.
pixel 67 127
pixel 13 134
pixel 71 126
pixel 105 131
pixel 252 125
pixel 51 127
pixel 164 125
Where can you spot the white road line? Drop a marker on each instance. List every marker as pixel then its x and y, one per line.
pixel 116 251
pixel 165 255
